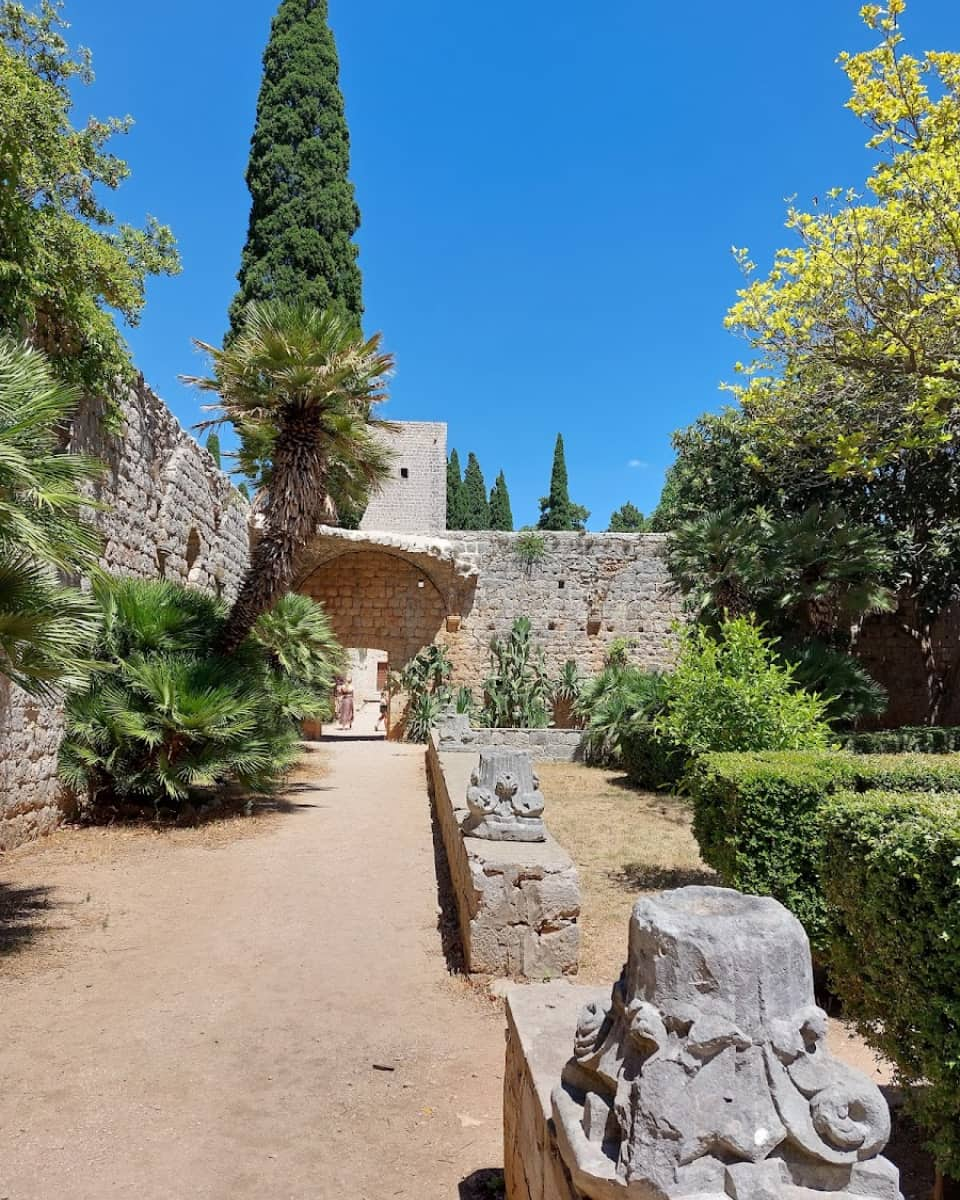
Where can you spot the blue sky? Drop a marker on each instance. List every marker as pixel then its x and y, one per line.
pixel 549 191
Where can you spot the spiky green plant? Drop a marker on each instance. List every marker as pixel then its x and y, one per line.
pixel 165 716
pixel 44 626
pixel 615 702
pixel 517 691
pixel 298 635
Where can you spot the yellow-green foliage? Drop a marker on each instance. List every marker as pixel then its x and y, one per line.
pixel 891 872
pixel 755 815
pixel 857 326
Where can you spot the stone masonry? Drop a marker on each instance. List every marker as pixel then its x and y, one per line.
pixel 414 498
pixel 398 592
pixel 171 513
pixel 518 903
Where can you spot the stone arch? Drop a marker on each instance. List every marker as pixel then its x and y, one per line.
pixel 378 600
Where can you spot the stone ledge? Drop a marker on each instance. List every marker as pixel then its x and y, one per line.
pixel 541 1021
pixel 518 904
pixel 544 745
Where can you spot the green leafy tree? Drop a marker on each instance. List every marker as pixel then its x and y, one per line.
pixel 45 627
pixel 731 691
pixel 627 519
pixel 501 514
pixel 303 384
pixel 303 215
pixel 858 322
pixel 476 507
pixel 66 265
pixel 454 492
pixel 557 512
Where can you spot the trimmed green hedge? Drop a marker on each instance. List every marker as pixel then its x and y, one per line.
pixel 651 761
pixel 891 872
pixel 755 815
pixel 910 739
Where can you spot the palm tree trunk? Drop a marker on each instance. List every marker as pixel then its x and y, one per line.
pixel 293 512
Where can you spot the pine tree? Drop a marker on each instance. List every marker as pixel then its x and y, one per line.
pixel 627 519
pixel 454 492
pixel 476 508
pixel 501 515
pixel 303 214
pixel 557 512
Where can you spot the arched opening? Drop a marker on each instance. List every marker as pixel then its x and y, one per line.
pixel 383 609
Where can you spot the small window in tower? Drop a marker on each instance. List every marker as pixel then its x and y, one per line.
pixel 404 473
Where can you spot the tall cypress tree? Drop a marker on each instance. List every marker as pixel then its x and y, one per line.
pixel 501 515
pixel 476 507
pixel 557 511
pixel 454 492
pixel 304 215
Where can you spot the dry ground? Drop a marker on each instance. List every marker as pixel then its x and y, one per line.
pixel 626 841
pixel 254 1010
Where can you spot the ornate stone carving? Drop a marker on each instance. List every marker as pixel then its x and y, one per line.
pixel 707 1073
pixel 504 798
pixel 453 729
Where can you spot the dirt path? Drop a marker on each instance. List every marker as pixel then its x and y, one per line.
pixel 212 1021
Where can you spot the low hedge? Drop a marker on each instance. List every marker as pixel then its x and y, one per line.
pixel 755 815
pixel 891 873
pixel 910 739
pixel 651 761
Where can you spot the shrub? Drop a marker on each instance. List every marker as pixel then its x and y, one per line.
pixel 732 692
pixel 890 870
pixel 164 716
pixel 921 739
pixel 616 705
pixel 755 816
pixel 650 760
pixel 425 680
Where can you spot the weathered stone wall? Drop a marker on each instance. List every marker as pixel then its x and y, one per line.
pixel 414 498
pixel 543 745
pixel 170 512
pixel 518 903
pixel 541 1020
pixel 400 593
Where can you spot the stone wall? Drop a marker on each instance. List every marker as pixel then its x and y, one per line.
pixel 541 1020
pixel 400 592
pixel 414 498
pixel 543 745
pixel 170 512
pixel 518 903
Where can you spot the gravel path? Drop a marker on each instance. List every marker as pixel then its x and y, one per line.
pixel 214 1018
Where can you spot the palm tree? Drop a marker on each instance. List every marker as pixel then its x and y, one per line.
pixel 301 384
pixel 45 627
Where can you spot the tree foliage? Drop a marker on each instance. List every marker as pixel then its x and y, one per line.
pixel 501 514
pixel 476 507
pixel 454 492
pixel 557 511
pixel 303 215
pixel 66 265
pixel 856 329
pixel 45 627
pixel 627 519
pixel 303 385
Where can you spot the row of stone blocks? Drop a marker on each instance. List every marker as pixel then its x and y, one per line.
pixel 518 902
pixel 703 1075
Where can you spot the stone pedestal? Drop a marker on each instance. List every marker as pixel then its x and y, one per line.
pixel 706 1071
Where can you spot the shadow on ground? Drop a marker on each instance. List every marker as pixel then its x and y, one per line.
pixel 22 915
pixel 649 877
pixel 487 1184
